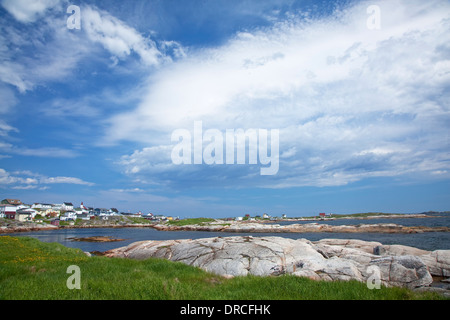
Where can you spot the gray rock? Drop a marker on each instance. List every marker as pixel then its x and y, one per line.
pixel 438 262
pixel 366 246
pixel 398 250
pixel 328 259
pixel 406 271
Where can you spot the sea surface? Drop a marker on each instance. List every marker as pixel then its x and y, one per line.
pixel 426 240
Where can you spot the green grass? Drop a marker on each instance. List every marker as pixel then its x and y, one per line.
pixel 30 269
pixel 139 220
pixel 185 222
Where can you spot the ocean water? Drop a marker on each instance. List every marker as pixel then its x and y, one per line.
pixel 434 220
pixel 426 240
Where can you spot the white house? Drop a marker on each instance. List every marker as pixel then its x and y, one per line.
pixel 23 206
pixel 84 216
pixel 69 215
pixel 25 214
pixel 82 209
pixel 83 212
pixel 113 212
pixel 3 210
pixel 57 206
pixel 67 206
pixel 41 206
pixel 148 216
pixel 50 212
pixel 31 211
pixel 101 211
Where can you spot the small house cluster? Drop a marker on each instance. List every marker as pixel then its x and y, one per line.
pixel 323 215
pixel 66 211
pixel 265 216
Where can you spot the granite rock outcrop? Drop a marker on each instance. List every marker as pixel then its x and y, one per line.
pixel 327 259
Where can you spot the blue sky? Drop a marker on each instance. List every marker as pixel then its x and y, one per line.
pixel 360 99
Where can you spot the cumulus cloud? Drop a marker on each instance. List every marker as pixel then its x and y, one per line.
pixel 28 11
pixel 152 159
pixel 118 38
pixel 29 180
pixel 45 52
pixel 50 52
pixel 350 102
pixel 69 180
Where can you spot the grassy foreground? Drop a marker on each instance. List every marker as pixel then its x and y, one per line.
pixel 30 269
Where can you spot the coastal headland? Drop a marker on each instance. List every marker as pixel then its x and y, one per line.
pixel 327 259
pixel 221 225
pixel 300 228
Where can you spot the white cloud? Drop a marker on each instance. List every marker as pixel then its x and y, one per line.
pixel 29 180
pixel 28 11
pixel 286 71
pixel 4 130
pixel 46 51
pixel 118 38
pixel 12 73
pixel 128 190
pixel 49 51
pixel 350 102
pixel 148 160
pixel 49 152
pixel 69 180
pixel 6 179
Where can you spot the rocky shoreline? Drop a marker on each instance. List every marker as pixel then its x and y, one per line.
pixel 301 228
pixel 326 259
pixel 95 239
pixel 250 227
pixel 26 227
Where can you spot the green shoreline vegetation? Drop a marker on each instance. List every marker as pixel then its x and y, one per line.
pixel 362 215
pixel 34 270
pixel 190 221
pixel 9 225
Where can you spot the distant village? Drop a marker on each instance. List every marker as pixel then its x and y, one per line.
pixel 66 211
